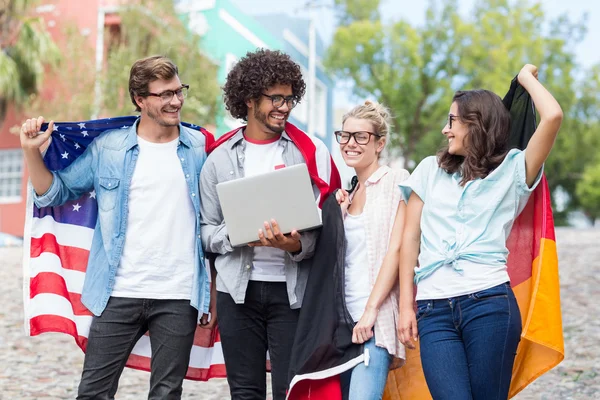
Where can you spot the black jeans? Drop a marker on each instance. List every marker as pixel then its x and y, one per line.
pixel 264 321
pixel 171 324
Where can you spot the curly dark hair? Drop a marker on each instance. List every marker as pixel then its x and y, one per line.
pixel 486 144
pixel 256 72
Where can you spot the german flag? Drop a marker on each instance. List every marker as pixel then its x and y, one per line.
pixel 533 271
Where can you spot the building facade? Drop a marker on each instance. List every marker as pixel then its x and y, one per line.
pixel 228 34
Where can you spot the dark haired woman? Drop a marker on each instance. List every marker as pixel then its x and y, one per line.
pixel 461 209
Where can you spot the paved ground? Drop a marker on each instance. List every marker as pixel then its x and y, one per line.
pixel 48 366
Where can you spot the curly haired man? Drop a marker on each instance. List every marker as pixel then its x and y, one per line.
pixel 260 287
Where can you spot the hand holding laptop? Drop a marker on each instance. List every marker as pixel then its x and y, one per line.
pixel 271 236
pixel 290 207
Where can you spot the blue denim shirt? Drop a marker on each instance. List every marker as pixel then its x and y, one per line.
pixel 107 166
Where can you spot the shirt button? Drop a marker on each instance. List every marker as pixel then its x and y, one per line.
pixel 193 194
pixel 181 158
pixel 247 266
pixel 199 236
pixel 187 176
pixel 230 172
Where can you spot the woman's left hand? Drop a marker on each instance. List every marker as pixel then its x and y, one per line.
pixel 343 199
pixel 528 69
pixel 363 330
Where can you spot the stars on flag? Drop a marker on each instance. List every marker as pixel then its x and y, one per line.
pixel 65 155
pixel 84 133
pixel 62 137
pixel 76 207
pixel 77 146
pixel 55 129
pixel 92 194
pixel 81 125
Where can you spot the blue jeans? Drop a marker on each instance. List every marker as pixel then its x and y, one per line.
pixel 367 382
pixel 468 344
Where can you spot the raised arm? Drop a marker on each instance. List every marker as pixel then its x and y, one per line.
pixel 409 253
pixel 55 188
pixel 40 175
pixel 551 116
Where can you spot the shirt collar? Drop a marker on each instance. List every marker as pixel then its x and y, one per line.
pixel 131 140
pixel 377 175
pixel 239 136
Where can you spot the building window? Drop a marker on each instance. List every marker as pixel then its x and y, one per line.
pixel 11 175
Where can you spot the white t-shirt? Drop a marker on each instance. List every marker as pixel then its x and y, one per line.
pixel 261 157
pixel 158 255
pixel 357 266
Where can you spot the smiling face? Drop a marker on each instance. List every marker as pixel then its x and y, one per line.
pixel 455 132
pixel 166 114
pixel 263 111
pixel 361 155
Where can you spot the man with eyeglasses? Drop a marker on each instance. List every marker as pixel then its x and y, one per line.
pixel 260 287
pixel 145 269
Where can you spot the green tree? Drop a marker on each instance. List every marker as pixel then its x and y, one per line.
pixel 152 27
pixel 415 70
pixel 408 68
pixel 588 191
pixel 26 48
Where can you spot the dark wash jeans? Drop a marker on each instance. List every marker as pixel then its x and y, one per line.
pixel 468 344
pixel 264 322
pixel 171 324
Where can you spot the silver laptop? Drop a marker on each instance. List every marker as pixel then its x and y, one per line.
pixel 285 195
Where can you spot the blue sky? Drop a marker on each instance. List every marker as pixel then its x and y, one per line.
pixel 415 11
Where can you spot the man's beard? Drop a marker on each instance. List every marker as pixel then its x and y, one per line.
pixel 160 121
pixel 262 117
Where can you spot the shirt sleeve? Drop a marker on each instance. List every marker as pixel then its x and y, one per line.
pixel 417 182
pixel 71 182
pixel 521 174
pixel 212 224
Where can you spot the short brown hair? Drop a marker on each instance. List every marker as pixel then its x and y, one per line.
pixel 486 144
pixel 148 70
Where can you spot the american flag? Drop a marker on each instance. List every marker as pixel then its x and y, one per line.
pixel 57 242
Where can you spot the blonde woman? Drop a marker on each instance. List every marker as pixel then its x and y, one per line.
pixel 373 223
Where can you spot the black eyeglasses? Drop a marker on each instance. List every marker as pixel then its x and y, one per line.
pixel 360 137
pixel 167 95
pixel 451 117
pixel 277 100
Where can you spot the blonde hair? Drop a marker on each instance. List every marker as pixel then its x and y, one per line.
pixel 377 114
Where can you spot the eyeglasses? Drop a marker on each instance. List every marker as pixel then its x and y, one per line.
pixel 360 137
pixel 167 95
pixel 277 100
pixel 451 117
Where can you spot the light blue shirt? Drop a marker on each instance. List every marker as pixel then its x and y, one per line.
pixel 107 166
pixel 467 225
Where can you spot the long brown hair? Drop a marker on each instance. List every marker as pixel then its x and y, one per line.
pixel 486 143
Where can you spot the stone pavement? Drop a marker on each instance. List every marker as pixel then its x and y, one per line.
pixel 49 366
